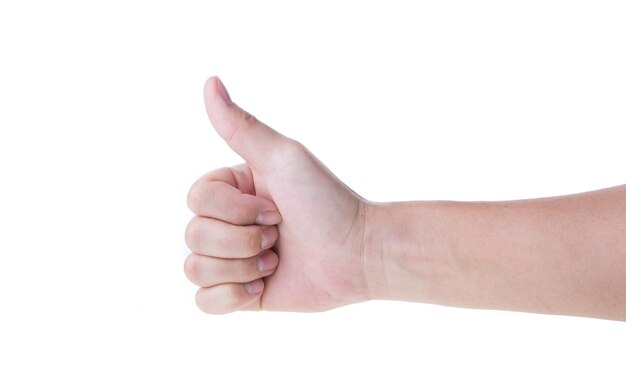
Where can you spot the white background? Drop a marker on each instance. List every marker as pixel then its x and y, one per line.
pixel 103 130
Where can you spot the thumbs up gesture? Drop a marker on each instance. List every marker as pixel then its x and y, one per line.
pixel 278 232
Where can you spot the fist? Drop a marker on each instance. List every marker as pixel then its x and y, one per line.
pixel 279 232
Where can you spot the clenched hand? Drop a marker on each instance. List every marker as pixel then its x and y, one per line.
pixel 278 232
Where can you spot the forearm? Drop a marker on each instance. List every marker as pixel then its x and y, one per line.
pixel 564 255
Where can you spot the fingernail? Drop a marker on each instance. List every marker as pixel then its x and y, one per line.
pixel 221 89
pixel 255 287
pixel 268 218
pixel 267 261
pixel 269 234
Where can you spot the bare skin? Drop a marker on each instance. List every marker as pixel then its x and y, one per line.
pixel 281 232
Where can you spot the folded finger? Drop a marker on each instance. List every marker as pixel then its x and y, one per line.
pixel 213 237
pixel 227 194
pixel 230 297
pixel 208 271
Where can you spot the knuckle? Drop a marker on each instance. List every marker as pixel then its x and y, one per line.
pixel 199 195
pixel 233 296
pixel 193 198
pixel 252 268
pixel 190 267
pixel 244 122
pixel 226 302
pixel 247 270
pixel 204 303
pixel 293 149
pixel 193 233
pixel 245 214
pixel 249 119
pixel 252 241
pixel 196 194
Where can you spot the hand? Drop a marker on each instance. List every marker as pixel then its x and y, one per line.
pixel 279 232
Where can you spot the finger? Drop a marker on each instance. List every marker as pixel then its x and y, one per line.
pixel 254 141
pixel 221 194
pixel 208 271
pixel 230 297
pixel 212 237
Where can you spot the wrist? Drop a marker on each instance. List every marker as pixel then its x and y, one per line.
pixel 372 258
pixel 407 255
pixel 381 249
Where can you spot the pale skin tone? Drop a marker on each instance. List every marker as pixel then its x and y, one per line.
pixel 281 232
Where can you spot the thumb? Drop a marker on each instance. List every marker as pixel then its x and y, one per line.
pixel 251 139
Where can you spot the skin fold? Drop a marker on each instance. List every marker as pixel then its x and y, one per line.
pixel 281 232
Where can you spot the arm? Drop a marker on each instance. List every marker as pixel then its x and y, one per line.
pixel 281 232
pixel 563 255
